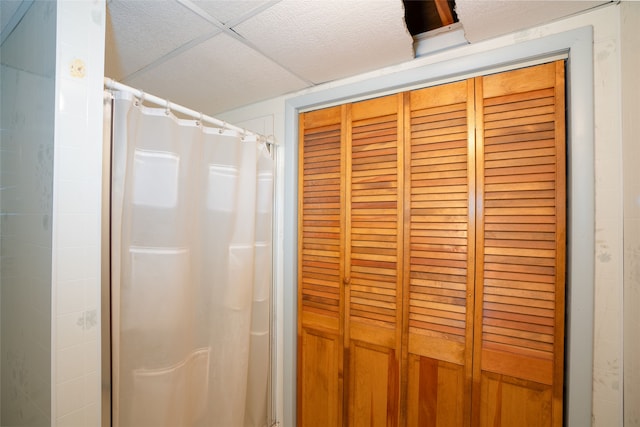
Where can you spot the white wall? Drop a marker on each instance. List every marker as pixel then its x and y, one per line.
pixel 26 175
pixel 51 147
pixel 607 393
pixel 630 55
pixel 77 187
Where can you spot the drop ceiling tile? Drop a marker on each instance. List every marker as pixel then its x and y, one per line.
pixel 228 10
pixel 7 9
pixel 141 31
pixel 217 75
pixel 39 57
pixel 486 19
pixel 330 39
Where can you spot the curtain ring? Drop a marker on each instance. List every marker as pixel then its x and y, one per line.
pixel 167 111
pixel 110 84
pixel 200 121
pixel 140 99
pixel 269 142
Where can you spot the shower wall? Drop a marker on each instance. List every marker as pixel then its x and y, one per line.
pixel 50 195
pixel 27 84
pixel 77 195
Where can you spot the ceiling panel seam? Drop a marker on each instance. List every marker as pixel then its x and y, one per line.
pixel 15 19
pixel 251 13
pixel 221 28
pixel 202 13
pixel 252 46
pixel 227 29
pixel 178 51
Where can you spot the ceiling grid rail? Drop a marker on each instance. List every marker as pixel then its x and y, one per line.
pixel 221 28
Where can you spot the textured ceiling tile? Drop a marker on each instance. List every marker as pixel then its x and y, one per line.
pixel 330 39
pixel 228 10
pixel 141 31
pixel 7 9
pixel 486 19
pixel 217 75
pixel 40 58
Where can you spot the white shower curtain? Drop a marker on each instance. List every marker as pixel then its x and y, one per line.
pixel 191 272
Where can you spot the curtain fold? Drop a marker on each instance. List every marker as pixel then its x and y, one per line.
pixel 191 270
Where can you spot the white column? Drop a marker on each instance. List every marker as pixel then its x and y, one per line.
pixel 77 186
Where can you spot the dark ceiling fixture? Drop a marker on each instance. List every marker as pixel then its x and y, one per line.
pixel 427 15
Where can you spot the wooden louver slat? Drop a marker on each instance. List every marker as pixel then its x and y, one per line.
pixel 505 214
pixel 373 220
pixel 439 198
pixel 321 220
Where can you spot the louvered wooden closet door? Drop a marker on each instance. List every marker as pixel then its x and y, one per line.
pixel 519 314
pixel 373 281
pixel 320 267
pixel 432 256
pixel 440 254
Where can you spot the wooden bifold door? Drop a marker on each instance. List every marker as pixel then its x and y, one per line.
pixel 431 276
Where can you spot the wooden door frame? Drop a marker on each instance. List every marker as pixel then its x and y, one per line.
pixel 574 45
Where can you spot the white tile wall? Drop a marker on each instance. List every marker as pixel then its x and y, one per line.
pixel 76 213
pixel 27 86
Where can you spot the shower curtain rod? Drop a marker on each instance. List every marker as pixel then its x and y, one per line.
pixel 114 85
